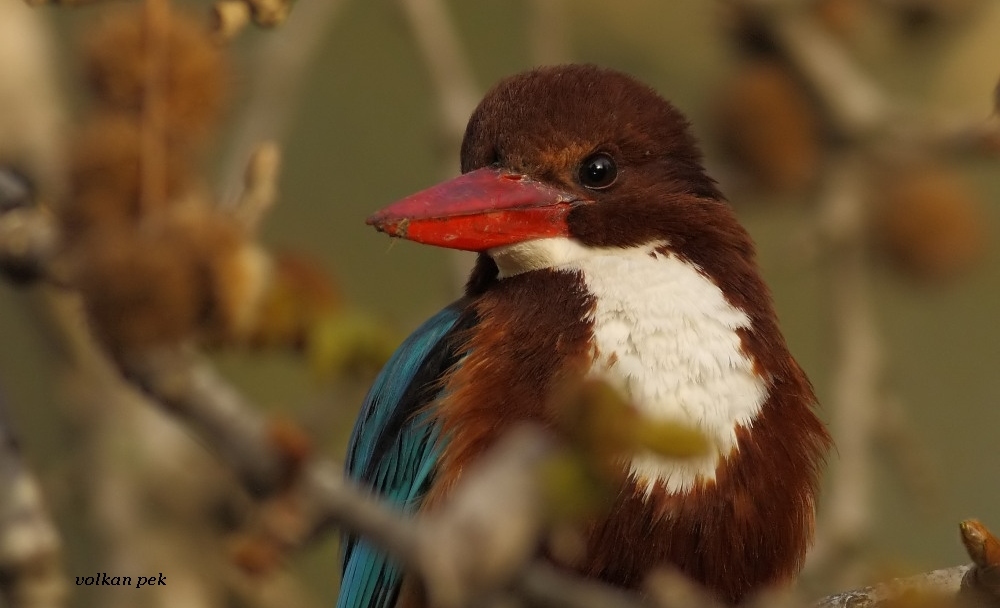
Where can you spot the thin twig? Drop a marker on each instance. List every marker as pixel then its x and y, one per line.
pixel 260 186
pixel 280 68
pixel 455 89
pixel 447 63
pixel 858 366
pixel 854 103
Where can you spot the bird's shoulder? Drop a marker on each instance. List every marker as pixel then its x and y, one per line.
pixel 394 446
pixel 403 388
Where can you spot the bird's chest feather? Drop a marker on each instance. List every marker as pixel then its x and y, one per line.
pixel 648 322
pixel 665 334
pixel 654 325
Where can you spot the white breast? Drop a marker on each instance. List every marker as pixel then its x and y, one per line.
pixel 666 335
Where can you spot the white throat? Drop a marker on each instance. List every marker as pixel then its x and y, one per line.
pixel 665 334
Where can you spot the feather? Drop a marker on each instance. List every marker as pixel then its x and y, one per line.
pixel 395 446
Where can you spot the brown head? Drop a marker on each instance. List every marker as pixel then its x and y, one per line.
pixel 574 151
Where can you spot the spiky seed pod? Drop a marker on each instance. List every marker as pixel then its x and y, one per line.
pixel 194 84
pixel 769 127
pixel 930 222
pixel 139 288
pixel 105 175
pixel 186 272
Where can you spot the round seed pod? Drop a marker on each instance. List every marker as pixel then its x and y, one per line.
pixel 929 221
pixel 106 175
pixel 769 128
pixel 140 290
pixel 193 79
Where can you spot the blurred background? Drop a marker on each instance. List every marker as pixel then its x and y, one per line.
pixel 871 192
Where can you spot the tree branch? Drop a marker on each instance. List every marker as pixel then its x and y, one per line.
pixel 455 89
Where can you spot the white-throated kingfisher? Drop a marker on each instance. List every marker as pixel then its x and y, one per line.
pixel 605 251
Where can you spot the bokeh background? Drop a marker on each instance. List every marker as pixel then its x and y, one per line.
pixel 365 116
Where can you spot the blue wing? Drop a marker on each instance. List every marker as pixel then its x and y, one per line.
pixel 394 448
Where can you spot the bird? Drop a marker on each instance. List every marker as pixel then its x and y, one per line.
pixel 605 251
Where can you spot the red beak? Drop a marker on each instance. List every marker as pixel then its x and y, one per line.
pixel 480 210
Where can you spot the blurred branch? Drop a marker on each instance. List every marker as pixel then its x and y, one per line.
pixel 191 391
pixel 31 574
pixel 455 89
pixel 496 506
pixel 853 102
pixel 937 583
pixel 260 186
pixel 868 126
pixel 447 63
pixel 280 68
pixel 858 366
pixel 855 106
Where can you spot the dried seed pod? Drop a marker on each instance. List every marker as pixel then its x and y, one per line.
pixel 105 175
pixel 187 272
pixel 929 221
pixel 194 82
pixel 769 127
pixel 229 17
pixel 140 289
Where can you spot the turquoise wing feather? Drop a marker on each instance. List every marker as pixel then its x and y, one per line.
pixel 394 448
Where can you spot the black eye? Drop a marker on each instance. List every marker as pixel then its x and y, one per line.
pixel 598 172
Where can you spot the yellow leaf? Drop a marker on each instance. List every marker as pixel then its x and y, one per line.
pixel 346 342
pixel 572 490
pixel 671 439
